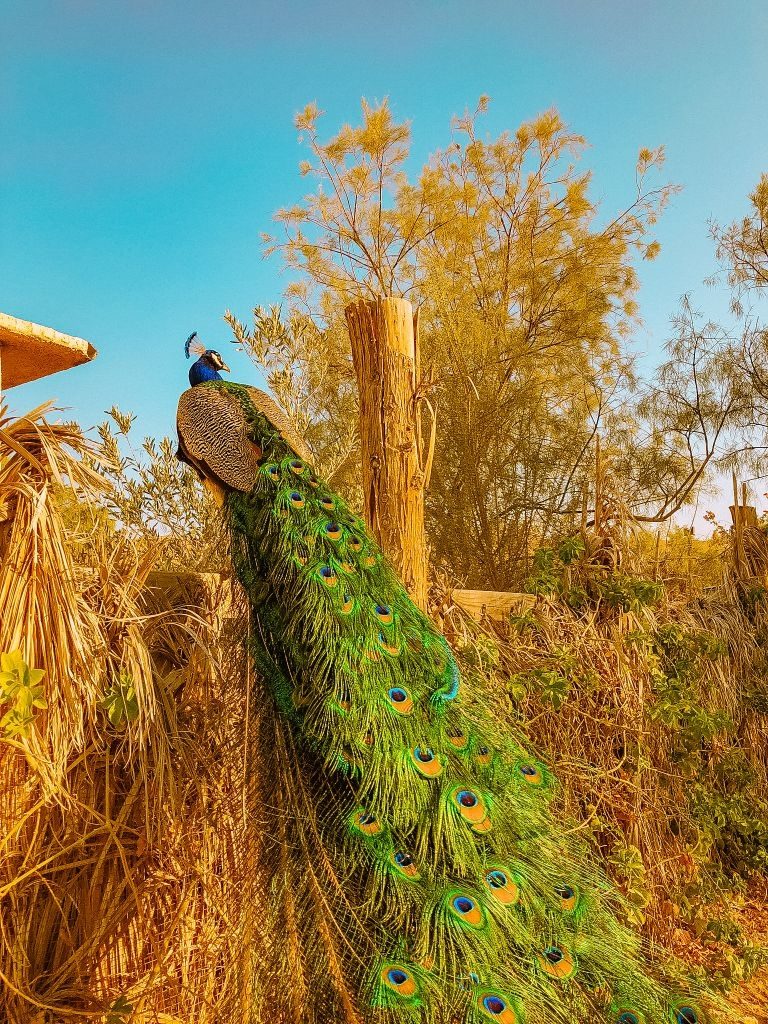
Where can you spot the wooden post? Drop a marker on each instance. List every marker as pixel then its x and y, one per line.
pixel 386 358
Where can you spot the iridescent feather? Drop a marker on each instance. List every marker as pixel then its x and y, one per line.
pixel 417 874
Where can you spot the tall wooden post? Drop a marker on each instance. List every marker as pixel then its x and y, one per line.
pixel 385 353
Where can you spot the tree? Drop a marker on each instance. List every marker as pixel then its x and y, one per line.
pixel 742 246
pixel 525 301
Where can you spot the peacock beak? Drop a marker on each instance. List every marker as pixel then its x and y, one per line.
pixel 224 366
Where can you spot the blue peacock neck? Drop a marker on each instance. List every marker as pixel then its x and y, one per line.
pixel 200 372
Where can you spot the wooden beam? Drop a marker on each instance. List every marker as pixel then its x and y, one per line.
pixel 492 604
pixel 29 351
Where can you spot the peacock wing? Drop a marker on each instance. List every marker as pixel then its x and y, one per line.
pixel 216 437
pixel 269 408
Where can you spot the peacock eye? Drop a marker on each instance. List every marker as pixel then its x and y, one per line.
pixel 467 798
pixel 424 755
pixel 313 481
pixel 565 892
pixel 496 879
pixel 686 1015
pixel 463 904
pixel 297 466
pixel 384 614
pixel 627 1017
pixel 367 819
pixel 400 700
pixel 483 750
pixel 296 499
pixel 404 860
pixel 494 1005
pixel 554 954
pixel 355 543
pixel 326 503
pixel 397 977
pixel 332 531
pixel 531 774
pixel 328 576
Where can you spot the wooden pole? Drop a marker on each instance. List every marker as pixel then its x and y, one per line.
pixel 385 354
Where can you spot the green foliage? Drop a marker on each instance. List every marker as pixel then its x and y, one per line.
pixel 120 1011
pixel 556 573
pixel 158 501
pixel 629 868
pixel 683 655
pixel 20 687
pixel 120 702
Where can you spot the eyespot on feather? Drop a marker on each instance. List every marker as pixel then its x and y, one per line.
pixel 327 576
pixel 344 700
pixel 366 823
pixel 332 531
pixel 384 614
pixel 391 649
pixel 399 979
pixel 457 739
pixel 400 700
pixel 497 1006
pixel 426 762
pixel 404 865
pixel 272 471
pixel 326 503
pixel 502 886
pixel 557 962
pixel 347 604
pixel 483 755
pixel 471 807
pixel 568 897
pixel 355 544
pixel 530 773
pixel 686 1013
pixel 296 499
pixel 627 1016
pixel 466 910
pixel 297 466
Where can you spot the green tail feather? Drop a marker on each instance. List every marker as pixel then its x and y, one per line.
pixel 425 877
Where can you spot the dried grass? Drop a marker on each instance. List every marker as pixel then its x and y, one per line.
pixel 127 855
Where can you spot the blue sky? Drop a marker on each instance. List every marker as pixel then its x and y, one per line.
pixel 146 144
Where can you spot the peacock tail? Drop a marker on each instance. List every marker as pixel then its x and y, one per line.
pixel 416 871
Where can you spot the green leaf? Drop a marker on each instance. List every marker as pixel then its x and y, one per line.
pixel 120 702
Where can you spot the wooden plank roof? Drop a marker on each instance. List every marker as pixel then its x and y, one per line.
pixel 29 351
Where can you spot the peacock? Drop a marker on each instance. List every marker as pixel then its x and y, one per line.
pixel 415 873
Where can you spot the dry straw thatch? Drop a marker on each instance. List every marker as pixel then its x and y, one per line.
pixel 127 847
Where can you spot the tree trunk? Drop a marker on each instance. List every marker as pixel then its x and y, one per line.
pixel 384 337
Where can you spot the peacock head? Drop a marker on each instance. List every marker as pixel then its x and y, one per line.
pixel 208 364
pixel 213 360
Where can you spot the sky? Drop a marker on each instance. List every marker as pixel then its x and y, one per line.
pixel 145 145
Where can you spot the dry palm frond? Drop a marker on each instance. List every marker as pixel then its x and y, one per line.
pixel 128 850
